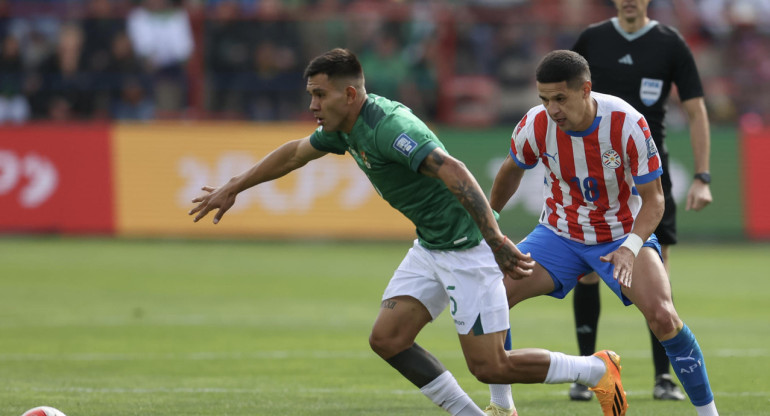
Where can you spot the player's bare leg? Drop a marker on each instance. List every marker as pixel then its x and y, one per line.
pixel 535 365
pixel 532 365
pixel 664 388
pixel 651 293
pixel 392 338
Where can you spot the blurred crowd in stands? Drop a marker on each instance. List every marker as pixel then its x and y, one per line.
pixel 457 61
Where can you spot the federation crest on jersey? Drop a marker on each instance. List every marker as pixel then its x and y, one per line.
pixel 650 90
pixel 611 159
pixel 405 144
pixel 360 157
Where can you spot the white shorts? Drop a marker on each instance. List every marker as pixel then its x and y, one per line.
pixel 468 281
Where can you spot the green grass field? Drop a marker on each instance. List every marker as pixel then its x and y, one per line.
pixel 116 327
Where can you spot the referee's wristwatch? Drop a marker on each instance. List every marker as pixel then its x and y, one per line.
pixel 704 177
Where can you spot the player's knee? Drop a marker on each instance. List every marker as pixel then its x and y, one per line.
pixel 663 321
pixel 387 346
pixel 378 344
pixel 488 372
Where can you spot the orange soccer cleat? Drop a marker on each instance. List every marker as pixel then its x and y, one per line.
pixel 609 390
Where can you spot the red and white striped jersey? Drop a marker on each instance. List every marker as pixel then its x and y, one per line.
pixel 589 183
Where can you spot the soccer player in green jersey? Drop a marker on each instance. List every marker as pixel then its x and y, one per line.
pixel 459 258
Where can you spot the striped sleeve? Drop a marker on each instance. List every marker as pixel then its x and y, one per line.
pixel 642 153
pixel 524 144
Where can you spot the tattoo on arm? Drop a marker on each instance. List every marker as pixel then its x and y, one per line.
pixel 474 202
pixel 388 304
pixel 463 186
pixel 432 164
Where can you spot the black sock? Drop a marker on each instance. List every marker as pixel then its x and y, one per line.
pixel 586 306
pixel 417 365
pixel 659 357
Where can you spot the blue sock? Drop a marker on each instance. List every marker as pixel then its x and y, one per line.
pixel 508 346
pixel 687 360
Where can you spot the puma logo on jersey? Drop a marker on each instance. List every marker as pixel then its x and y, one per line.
pixel 626 60
pixel 551 156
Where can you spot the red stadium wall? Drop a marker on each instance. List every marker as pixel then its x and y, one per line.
pixel 56 178
pixel 756 171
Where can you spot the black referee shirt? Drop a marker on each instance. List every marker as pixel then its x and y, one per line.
pixel 640 67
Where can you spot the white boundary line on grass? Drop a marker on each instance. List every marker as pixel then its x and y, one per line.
pixel 219 390
pixel 194 356
pixel 288 354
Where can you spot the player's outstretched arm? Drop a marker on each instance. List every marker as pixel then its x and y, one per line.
pixel 463 185
pixel 279 162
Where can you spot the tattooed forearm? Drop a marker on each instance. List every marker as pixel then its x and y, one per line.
pixel 462 184
pixel 469 194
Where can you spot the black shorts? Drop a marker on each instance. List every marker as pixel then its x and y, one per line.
pixel 666 230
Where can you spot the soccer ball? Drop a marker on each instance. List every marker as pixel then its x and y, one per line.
pixel 43 411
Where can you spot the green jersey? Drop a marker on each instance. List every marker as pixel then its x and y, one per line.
pixel 389 143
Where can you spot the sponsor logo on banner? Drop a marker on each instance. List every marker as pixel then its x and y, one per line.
pixel 56 178
pixel 313 182
pixel 650 91
pixel 168 164
pixel 35 177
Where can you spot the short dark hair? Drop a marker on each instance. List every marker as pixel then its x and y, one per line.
pixel 563 65
pixel 336 63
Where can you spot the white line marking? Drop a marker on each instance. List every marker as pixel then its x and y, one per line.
pixel 287 355
pixel 329 391
pixel 196 356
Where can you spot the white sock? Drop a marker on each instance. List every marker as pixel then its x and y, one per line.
pixel 447 394
pixel 707 410
pixel 500 394
pixel 575 369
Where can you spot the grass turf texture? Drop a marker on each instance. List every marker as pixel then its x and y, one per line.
pixel 102 326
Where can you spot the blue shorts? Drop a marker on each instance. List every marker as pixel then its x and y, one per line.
pixel 568 260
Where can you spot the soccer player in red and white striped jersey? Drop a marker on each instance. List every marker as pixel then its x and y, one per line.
pixel 589 194
pixel 642 61
pixel 602 201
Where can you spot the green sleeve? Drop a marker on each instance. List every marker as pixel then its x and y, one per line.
pixel 406 142
pixel 327 142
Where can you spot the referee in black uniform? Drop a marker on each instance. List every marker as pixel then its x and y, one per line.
pixel 638 60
